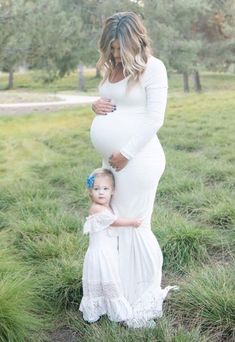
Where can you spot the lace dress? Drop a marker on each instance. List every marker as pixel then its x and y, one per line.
pixel 131 129
pixel 102 292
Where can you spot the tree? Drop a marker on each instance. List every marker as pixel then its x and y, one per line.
pixel 171 26
pixel 14 40
pixel 55 34
pixel 218 30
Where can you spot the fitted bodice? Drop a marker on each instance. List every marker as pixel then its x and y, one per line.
pixel 139 112
pixel 124 99
pixel 110 132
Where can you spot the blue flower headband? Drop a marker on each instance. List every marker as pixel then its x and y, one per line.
pixel 90 181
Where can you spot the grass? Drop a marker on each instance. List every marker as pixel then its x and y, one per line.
pixel 183 243
pixel 207 297
pixel 19 302
pixel 43 203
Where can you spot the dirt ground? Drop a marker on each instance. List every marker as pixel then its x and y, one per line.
pixel 63 335
pixel 21 102
pixel 34 109
pixel 20 96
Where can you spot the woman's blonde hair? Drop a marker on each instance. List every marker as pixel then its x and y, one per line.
pixel 129 30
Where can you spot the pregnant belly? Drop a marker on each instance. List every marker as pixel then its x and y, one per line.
pixel 109 133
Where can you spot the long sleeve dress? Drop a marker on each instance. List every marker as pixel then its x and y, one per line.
pixel 102 291
pixel 131 130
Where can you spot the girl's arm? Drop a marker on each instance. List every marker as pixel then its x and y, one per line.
pixel 123 222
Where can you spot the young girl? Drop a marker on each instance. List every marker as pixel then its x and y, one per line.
pixel 102 292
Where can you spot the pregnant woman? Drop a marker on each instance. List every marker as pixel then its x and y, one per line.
pixel 133 96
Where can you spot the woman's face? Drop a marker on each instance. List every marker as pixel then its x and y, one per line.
pixel 115 51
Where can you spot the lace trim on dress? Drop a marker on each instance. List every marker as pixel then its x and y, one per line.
pixel 148 308
pixel 99 221
pixel 108 290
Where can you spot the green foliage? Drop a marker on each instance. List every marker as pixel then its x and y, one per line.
pixel 57 36
pixel 54 39
pixel 14 37
pixel 170 25
pixel 217 29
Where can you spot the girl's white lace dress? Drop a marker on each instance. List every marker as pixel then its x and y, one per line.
pixel 131 129
pixel 102 291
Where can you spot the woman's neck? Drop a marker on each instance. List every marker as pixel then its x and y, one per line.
pixel 117 73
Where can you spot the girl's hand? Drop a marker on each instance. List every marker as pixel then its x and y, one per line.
pixel 136 223
pixel 103 106
pixel 117 161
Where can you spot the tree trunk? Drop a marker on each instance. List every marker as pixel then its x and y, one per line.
pixel 10 79
pixel 186 83
pixel 97 73
pixel 81 79
pixel 197 82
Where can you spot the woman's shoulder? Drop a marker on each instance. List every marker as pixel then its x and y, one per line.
pixel 154 63
pixel 155 71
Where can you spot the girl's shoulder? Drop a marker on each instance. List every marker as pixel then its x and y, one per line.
pixel 96 209
pixel 100 212
pixel 98 220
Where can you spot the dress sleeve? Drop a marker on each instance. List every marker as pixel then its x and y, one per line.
pixel 97 222
pixel 154 81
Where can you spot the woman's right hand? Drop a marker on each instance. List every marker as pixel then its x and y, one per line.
pixel 103 106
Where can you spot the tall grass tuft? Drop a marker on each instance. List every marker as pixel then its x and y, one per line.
pixel 18 307
pixel 38 249
pixel 221 216
pixel 106 331
pixel 62 284
pixel 183 244
pixel 207 298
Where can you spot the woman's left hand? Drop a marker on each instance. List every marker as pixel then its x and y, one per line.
pixel 117 161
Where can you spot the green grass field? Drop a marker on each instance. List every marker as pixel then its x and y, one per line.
pixel 45 160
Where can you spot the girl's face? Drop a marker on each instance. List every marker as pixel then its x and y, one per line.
pixel 115 51
pixel 102 190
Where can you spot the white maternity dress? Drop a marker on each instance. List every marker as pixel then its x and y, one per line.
pixel 102 291
pixel 131 129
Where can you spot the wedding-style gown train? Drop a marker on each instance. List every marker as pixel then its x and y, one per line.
pixel 131 130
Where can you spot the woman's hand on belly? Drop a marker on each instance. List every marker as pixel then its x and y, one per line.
pixel 117 161
pixel 103 106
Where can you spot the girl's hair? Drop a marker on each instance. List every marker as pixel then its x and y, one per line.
pixel 134 42
pixel 103 172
